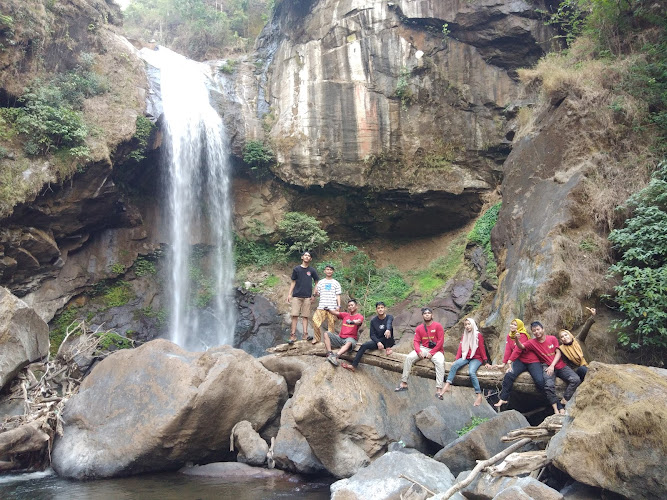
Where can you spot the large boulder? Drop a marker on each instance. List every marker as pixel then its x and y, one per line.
pixel 349 419
pixel 158 407
pixel 487 487
pixel 24 336
pixel 615 436
pixel 431 424
pixel 480 443
pixel 382 479
pixel 291 451
pixel 252 449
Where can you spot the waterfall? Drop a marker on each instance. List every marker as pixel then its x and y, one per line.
pixel 197 187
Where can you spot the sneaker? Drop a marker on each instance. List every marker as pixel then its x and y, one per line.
pixel 333 359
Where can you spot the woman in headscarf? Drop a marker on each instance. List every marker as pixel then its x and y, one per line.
pixel 574 348
pixel 527 360
pixel 472 353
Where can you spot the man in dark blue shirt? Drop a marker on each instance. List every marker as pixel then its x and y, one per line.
pixel 382 335
pixel 304 278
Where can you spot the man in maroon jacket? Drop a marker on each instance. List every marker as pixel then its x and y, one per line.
pixel 428 343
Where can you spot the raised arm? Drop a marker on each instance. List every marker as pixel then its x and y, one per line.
pixel 587 326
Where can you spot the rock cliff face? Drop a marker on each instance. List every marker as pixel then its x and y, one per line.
pixel 409 99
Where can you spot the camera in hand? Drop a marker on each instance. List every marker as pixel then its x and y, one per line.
pixel 349 322
pixel 325 308
pixel 431 344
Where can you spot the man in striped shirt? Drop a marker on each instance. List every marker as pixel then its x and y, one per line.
pixel 329 291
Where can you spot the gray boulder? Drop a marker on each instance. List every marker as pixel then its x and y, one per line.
pixel 252 449
pixel 487 487
pixel 291 451
pixel 24 336
pixel 480 443
pixel 432 425
pixel 348 419
pixel 615 435
pixel 381 480
pixel 232 471
pixel 158 407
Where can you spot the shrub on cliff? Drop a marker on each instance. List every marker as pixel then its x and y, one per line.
pixel 642 293
pixel 302 232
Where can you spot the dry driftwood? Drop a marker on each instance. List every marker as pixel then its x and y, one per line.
pixel 481 465
pixel 543 432
pixel 489 378
pixel 26 440
pixel 517 464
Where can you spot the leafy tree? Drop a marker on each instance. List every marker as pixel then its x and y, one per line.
pixel 302 232
pixel 259 157
pixel 642 293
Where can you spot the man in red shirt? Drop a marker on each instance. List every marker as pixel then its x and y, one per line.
pixel 428 343
pixel 349 332
pixel 546 349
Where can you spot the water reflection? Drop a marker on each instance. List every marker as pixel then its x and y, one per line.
pixel 171 486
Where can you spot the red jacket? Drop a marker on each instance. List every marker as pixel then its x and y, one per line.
pixel 433 333
pixel 480 353
pixel 545 351
pixel 525 355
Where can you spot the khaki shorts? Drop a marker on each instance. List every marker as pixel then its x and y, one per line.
pixel 300 307
pixel 338 341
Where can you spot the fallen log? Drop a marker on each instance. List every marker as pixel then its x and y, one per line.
pixel 489 378
pixel 24 439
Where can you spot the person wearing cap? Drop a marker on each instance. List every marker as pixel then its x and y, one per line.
pixel 382 336
pixel 428 343
pixel 304 278
pixel 329 291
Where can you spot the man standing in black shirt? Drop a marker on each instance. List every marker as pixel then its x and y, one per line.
pixel 382 335
pixel 304 279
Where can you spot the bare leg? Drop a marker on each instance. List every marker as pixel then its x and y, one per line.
pixel 344 349
pixel 295 319
pixel 446 388
pixel 478 399
pixel 500 403
pixel 327 341
pixel 304 322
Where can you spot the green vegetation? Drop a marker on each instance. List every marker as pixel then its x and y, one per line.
pixel 159 315
pixel 642 293
pixel 200 29
pixel 441 269
pixel 143 267
pixel 257 254
pixel 481 236
pixel 403 90
pixel 203 287
pixel 112 341
pixel 301 232
pixel 144 128
pixel 362 280
pixel 50 118
pixel 117 295
pixel 229 66
pixel 259 158
pixel 474 422
pixel 117 268
pixel 619 28
pixel 59 328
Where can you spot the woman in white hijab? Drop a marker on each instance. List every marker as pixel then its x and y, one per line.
pixel 472 353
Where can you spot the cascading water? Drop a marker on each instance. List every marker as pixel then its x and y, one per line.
pixel 198 190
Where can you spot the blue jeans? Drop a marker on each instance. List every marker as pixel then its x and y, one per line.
pixel 473 365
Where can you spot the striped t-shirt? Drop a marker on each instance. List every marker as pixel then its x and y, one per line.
pixel 328 290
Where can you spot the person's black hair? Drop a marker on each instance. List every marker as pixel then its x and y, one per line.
pixel 329 265
pixel 424 309
pixel 353 300
pixel 306 252
pixel 536 323
pixel 379 304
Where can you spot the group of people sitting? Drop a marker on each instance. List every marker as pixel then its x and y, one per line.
pixel 540 354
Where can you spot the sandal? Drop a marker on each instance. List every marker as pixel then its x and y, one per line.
pixel 348 367
pixel 400 389
pixel 439 396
